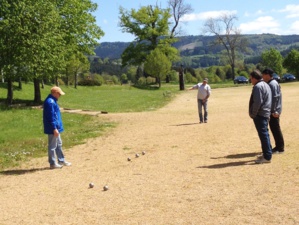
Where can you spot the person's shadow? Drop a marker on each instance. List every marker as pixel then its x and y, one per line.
pixel 232 164
pixel 22 171
pixel 185 124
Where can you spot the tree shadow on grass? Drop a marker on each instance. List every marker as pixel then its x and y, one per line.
pixel 22 172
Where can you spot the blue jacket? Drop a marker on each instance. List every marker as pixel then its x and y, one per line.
pixel 51 116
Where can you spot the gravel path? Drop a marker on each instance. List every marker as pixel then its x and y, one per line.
pixel 190 173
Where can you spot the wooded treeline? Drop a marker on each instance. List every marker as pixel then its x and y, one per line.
pixel 196 51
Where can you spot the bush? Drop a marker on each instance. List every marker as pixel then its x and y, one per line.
pixel 89 83
pixel 141 81
pixel 190 79
pixel 244 73
pixel 174 76
pixel 150 80
pixel 98 78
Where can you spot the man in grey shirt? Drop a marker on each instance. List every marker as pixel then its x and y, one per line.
pixel 204 92
pixel 260 110
pixel 275 110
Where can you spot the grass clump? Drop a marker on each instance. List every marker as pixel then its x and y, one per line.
pixel 23 138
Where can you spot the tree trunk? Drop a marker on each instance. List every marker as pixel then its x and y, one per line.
pixel 43 84
pixel 167 79
pixel 67 77
pixel 20 83
pixel 233 70
pixel 76 79
pixel 181 79
pixel 2 76
pixel 9 92
pixel 37 94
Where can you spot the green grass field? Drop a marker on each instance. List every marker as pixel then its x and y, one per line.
pixel 114 98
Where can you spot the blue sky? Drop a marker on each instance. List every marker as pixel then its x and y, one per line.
pixel 254 16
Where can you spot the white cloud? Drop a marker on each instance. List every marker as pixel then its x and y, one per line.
pixel 205 15
pixel 265 24
pixel 294 28
pixel 291 10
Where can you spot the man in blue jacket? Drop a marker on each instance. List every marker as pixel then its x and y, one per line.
pixel 260 110
pixel 53 126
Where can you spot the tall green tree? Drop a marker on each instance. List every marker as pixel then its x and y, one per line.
pixel 273 59
pixel 150 26
pixel 77 64
pixel 157 65
pixel 291 62
pixel 8 41
pixel 41 36
pixel 80 32
pixel 43 46
pixel 27 34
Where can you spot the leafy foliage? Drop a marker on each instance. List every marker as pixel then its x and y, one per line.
pixel 291 62
pixel 39 38
pixel 157 65
pixel 89 83
pixel 273 59
pixel 148 24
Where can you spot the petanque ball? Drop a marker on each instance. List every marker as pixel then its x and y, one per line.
pixel 105 188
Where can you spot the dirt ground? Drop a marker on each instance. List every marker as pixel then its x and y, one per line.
pixel 191 173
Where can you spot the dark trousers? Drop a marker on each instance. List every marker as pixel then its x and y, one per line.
pixel 261 125
pixel 277 134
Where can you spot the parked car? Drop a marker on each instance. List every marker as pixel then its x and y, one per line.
pixel 288 77
pixel 276 77
pixel 241 80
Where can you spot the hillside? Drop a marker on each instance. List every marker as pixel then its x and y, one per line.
pixel 198 52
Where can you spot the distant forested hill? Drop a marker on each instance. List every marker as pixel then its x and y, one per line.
pixel 197 51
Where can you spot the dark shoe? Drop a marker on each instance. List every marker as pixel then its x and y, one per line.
pixel 277 151
pixel 206 121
